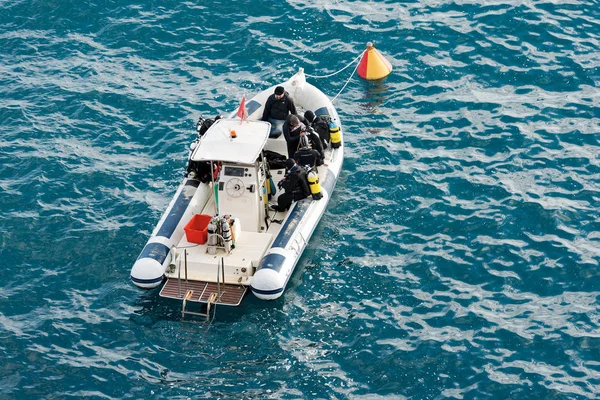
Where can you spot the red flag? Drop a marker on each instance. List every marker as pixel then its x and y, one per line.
pixel 242 112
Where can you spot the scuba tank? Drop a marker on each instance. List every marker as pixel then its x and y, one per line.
pixel 313 184
pixel 335 135
pixel 231 223
pixel 212 238
pixel 226 232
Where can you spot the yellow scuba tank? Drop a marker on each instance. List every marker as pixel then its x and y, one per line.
pixel 335 136
pixel 313 184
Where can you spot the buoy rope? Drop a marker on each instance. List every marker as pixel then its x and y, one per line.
pixel 337 72
pixel 348 81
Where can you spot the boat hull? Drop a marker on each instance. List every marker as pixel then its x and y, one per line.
pixel 268 274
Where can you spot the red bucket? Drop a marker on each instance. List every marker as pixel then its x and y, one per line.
pixel 196 231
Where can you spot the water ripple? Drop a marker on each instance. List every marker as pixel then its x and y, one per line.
pixel 461 256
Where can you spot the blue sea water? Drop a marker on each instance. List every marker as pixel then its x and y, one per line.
pixel 458 257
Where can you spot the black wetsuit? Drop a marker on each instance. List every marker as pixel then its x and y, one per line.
pixel 295 186
pixel 279 109
pixel 293 137
pixel 307 156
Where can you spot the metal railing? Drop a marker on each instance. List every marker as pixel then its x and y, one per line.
pixel 213 298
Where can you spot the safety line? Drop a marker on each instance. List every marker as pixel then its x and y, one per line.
pixel 337 72
pixel 348 81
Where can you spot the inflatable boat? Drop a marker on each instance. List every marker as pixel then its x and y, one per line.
pixel 220 234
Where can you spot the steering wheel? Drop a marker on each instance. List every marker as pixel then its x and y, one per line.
pixel 235 187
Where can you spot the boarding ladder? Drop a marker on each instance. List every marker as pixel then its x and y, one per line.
pixel 213 297
pixel 210 293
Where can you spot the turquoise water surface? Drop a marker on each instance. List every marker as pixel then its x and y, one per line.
pixel 458 257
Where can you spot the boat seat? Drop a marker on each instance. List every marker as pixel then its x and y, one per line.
pixel 278 145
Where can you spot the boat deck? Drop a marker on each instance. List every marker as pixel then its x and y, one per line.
pixel 230 295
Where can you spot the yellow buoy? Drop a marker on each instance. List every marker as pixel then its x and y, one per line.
pixel 373 65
